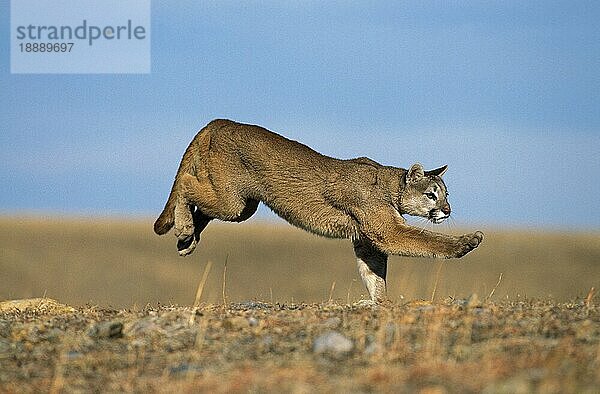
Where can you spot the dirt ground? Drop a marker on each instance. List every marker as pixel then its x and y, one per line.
pixel 451 346
pixel 533 328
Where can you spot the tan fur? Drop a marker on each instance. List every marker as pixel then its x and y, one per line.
pixel 229 168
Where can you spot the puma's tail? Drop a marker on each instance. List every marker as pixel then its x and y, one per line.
pixel 166 220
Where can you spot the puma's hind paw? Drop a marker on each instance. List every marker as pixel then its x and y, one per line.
pixel 187 245
pixel 468 242
pixel 184 231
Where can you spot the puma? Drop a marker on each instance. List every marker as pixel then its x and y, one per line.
pixel 230 167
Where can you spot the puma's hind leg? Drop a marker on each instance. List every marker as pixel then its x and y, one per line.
pixel 198 204
pixel 184 222
pixel 372 267
pixel 223 206
pixel 189 223
pixel 186 243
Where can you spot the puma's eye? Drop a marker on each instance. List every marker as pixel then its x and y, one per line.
pixel 431 196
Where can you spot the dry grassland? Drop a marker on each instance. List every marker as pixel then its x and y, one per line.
pixel 453 346
pixel 119 264
pixel 281 317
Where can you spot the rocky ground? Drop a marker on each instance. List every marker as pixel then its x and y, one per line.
pixel 451 346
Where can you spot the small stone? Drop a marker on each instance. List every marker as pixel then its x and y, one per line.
pixel 367 304
pixel 235 323
pixel 250 305
pixel 181 368
pixel 390 334
pixel 470 302
pixel 473 301
pixel 143 327
pixel 5 328
pixel 332 322
pixel 73 354
pixel 372 348
pixel 332 343
pixel 184 368
pixel 268 341
pixel 5 346
pixel 107 329
pixel 53 334
pixel 137 344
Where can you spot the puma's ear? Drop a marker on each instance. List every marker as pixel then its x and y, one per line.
pixel 437 172
pixel 415 173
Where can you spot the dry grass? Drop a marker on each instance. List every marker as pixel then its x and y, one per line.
pixel 502 342
pixel 451 346
pixel 108 262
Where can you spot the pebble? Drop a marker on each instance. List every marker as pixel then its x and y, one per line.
pixel 235 323
pixel 250 305
pixel 371 346
pixel 390 333
pixel 332 322
pixel 106 329
pixel 473 301
pixel 470 302
pixel 332 343
pixel 143 327
pixel 184 368
pixel 5 346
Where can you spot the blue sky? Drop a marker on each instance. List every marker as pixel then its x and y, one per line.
pixel 506 93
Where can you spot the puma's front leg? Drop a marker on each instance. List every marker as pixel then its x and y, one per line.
pixel 372 267
pixel 388 232
pixel 409 241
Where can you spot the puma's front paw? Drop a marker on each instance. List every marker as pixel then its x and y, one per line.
pixel 468 242
pixel 475 238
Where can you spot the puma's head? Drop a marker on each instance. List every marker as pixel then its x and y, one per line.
pixel 425 194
